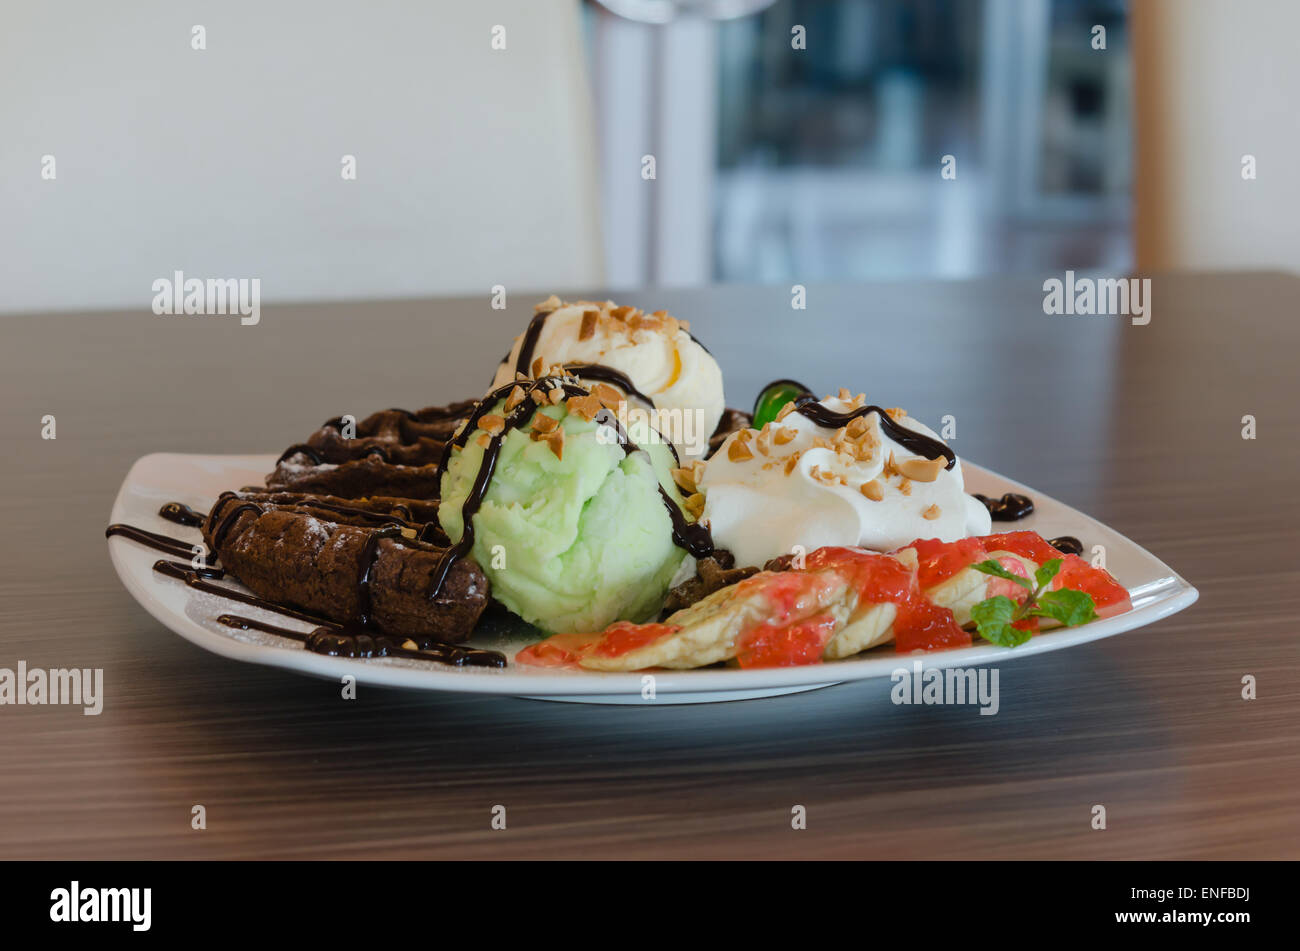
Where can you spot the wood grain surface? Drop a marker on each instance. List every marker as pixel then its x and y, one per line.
pixel 1139 426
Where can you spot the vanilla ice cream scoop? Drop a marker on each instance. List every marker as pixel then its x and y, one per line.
pixel 835 472
pixel 654 352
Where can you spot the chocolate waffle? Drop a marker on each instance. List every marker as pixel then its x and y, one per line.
pixel 392 453
pixel 349 562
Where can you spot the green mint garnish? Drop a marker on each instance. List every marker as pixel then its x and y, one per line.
pixel 995 617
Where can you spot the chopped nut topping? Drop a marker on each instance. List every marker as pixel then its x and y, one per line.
pixel 685 478
pixel 857 427
pixel 483 440
pixel 551 303
pixel 537 368
pixel 556 441
pixel 544 424
pixel 588 328
pixel 621 313
pixel 744 435
pixel 791 461
pixel 873 490
pixel 608 396
pixel 515 398
pixel 785 411
pixel 932 513
pixel 492 423
pixel 555 396
pixel 922 470
pixel 585 406
pixel 737 451
pixel 844 394
pixel 905 486
pixel 896 412
pixel 694 504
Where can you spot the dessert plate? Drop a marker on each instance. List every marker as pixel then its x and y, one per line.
pixel 1157 592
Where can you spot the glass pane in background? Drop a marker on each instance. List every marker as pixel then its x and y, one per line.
pixel 826 161
pixel 829 159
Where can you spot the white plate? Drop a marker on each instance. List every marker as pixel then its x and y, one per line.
pixel 1157 592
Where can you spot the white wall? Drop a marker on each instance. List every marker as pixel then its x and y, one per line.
pixel 474 166
pixel 1217 80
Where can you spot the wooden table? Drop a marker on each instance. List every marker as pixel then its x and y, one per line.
pixel 1137 425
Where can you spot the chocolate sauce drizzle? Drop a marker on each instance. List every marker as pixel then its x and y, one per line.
pixel 909 439
pixel 163 543
pixel 605 374
pixel 339 642
pixel 1067 545
pixel 1010 508
pixel 692 536
pixel 587 371
pixel 529 344
pixel 328 637
pixel 182 515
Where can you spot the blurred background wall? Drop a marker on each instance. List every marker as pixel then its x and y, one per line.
pixel 1218 82
pixel 635 142
pixel 473 164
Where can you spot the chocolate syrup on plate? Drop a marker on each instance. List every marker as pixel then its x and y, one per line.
pixel 1067 544
pixel 1010 508
pixel 334 641
pixel 182 515
pixel 163 543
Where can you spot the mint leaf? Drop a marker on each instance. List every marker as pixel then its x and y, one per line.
pixel 1070 608
pixel 991 567
pixel 1047 571
pixel 993 619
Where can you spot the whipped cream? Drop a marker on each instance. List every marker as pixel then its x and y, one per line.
pixel 799 484
pixel 655 351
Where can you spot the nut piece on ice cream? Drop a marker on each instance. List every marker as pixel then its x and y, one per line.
pixel 845 478
pixel 654 351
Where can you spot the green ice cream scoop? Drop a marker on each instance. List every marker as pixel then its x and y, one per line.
pixel 575 541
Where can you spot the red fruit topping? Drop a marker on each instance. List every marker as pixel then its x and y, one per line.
pixel 922 625
pixel 1031 545
pixel 939 561
pixel 559 650
pixel 791 645
pixel 623 637
pixel 1077 574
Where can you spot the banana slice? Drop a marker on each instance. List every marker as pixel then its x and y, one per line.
pixel 969 587
pixel 709 629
